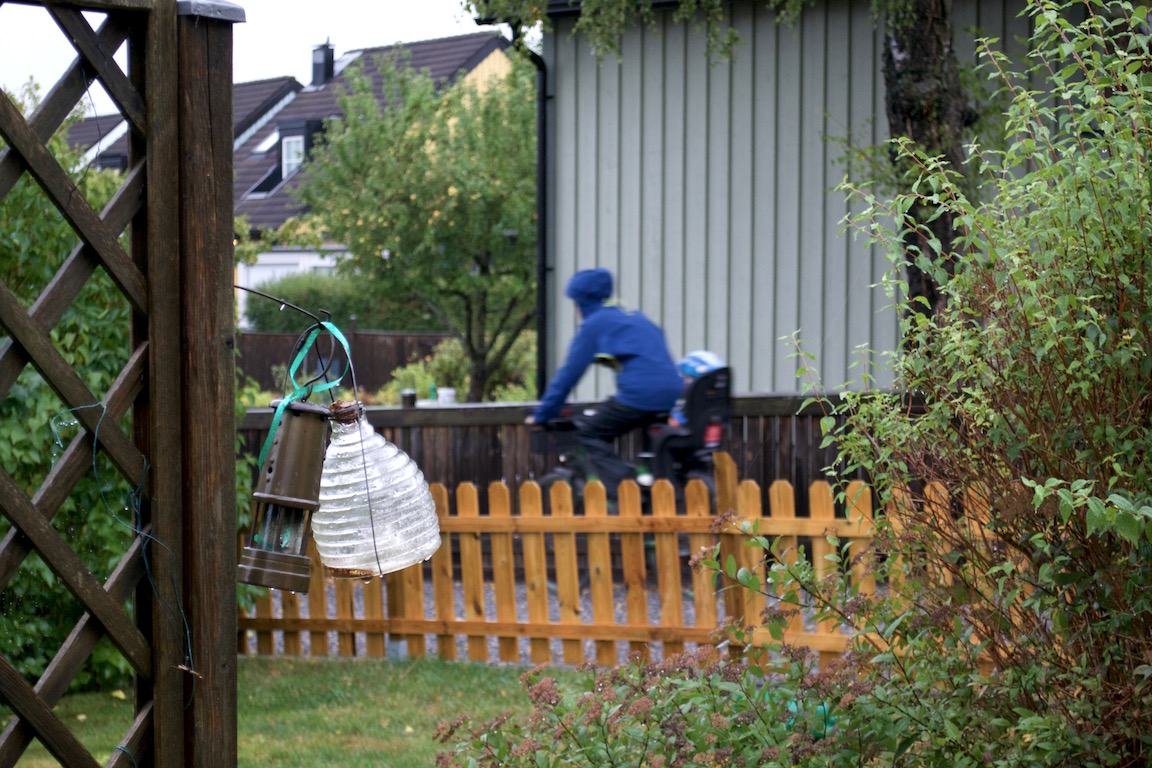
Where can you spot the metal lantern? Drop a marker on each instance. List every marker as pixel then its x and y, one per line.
pixel 287 493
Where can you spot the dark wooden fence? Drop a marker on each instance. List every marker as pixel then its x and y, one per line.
pixel 263 356
pixel 769 439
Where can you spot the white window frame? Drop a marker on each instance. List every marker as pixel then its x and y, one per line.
pixel 291 154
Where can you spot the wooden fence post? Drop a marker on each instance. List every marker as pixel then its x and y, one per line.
pixel 204 104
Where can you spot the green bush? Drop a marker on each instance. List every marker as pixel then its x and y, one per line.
pixel 1013 623
pixel 341 295
pixel 448 366
pixel 36 610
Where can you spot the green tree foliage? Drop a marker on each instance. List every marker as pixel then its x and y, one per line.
pixel 342 296
pixel 1013 623
pixel 36 610
pixel 435 197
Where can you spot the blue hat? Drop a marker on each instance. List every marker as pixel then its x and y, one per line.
pixel 589 287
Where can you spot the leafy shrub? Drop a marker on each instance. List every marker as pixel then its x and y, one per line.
pixel 448 366
pixel 342 295
pixel 36 610
pixel 1013 622
pixel 694 709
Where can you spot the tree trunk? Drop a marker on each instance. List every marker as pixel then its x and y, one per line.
pixel 926 102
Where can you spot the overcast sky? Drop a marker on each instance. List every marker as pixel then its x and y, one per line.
pixel 277 38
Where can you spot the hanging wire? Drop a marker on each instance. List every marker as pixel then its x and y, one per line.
pixel 175 617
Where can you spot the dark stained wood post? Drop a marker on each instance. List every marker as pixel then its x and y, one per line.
pixel 208 367
pixel 155 237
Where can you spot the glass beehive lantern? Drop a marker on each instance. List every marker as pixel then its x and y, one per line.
pixel 286 496
pixel 376 513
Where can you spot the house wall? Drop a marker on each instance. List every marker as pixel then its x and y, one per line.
pixel 278 263
pixel 709 190
pixel 494 65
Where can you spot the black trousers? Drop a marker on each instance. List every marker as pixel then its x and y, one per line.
pixel 597 432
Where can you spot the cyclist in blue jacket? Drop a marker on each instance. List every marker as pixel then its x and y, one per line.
pixel 647 379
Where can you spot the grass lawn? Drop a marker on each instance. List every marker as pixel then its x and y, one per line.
pixel 307 713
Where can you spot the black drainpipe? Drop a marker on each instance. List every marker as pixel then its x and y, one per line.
pixel 541 224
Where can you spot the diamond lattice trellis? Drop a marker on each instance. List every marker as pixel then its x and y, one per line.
pixel 174 203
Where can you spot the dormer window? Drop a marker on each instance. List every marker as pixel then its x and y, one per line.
pixel 292 154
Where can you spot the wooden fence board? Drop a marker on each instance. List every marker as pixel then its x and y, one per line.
pixel 443 588
pixel 668 564
pixel 633 567
pixel 503 569
pixel 586 545
pixel 782 502
pixel 600 573
pixel 703 581
pixel 567 567
pixel 412 587
pixel 345 609
pixel 535 571
pixel 374 645
pixel 472 571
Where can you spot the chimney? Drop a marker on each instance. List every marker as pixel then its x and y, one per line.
pixel 323 63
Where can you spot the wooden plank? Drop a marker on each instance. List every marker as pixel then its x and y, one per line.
pixel 290 606
pixel 668 565
pixel 317 602
pixel 535 571
pixel 67 383
pixel 59 102
pixel 680 524
pixel 265 642
pixel 859 508
pixel 704 582
pixel 374 647
pixel 751 557
pixel 108 5
pixel 137 741
pixel 71 278
pixel 782 501
pixel 822 509
pixel 443 588
pixel 208 390
pixel 75 208
pixel 72 654
pixel 641 633
pixel 394 589
pixel 600 573
pixel 633 567
pixel 472 570
pixel 72 571
pixel 53 734
pixel 567 568
pixel 503 569
pixel 345 609
pixel 73 464
pixel 412 583
pixel 114 81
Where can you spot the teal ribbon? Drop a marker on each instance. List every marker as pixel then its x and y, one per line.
pixel 300 391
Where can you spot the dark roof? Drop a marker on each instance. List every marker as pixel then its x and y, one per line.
pixel 249 102
pixel 443 59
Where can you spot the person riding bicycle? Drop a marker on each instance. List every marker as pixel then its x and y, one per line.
pixel 648 382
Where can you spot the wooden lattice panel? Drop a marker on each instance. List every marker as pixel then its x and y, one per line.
pixel 176 101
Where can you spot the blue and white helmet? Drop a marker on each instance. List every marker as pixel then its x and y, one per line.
pixel 696 364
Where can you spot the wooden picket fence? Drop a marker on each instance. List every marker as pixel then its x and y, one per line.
pixel 621 582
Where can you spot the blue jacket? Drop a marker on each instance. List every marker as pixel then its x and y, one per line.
pixel 647 378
